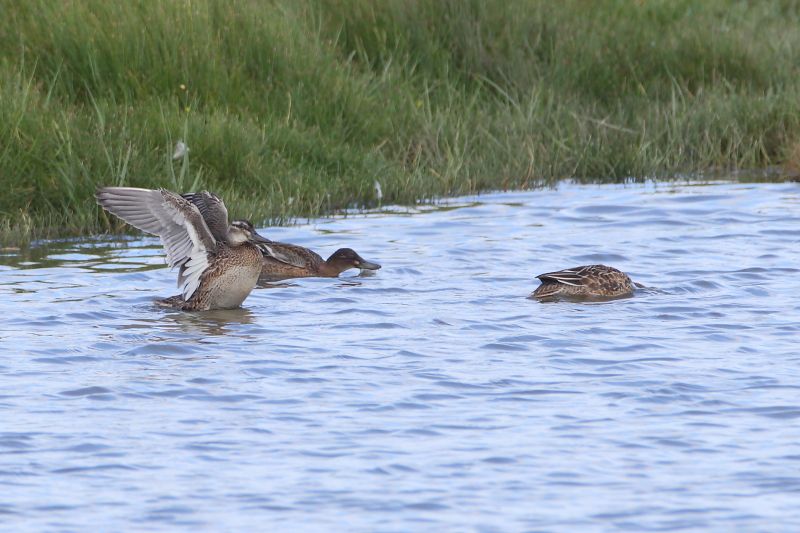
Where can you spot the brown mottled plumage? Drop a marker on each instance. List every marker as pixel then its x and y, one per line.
pixel 218 265
pixel 591 281
pixel 285 261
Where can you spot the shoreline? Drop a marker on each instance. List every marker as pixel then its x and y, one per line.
pixel 297 109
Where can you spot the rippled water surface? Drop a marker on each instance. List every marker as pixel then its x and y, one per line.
pixel 431 396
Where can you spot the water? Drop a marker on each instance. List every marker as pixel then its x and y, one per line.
pixel 431 396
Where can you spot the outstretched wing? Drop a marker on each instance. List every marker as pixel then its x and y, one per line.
pixel 186 238
pixel 213 210
pixel 290 254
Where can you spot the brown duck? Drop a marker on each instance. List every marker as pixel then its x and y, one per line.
pixel 284 261
pixel 584 282
pixel 218 263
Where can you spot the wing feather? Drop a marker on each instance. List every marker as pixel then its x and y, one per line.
pixel 568 276
pixel 213 210
pixel 186 238
pixel 584 275
pixel 290 254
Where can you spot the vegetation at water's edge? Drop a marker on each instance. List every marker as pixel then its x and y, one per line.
pixel 297 108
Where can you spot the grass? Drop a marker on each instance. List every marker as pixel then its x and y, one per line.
pixel 296 108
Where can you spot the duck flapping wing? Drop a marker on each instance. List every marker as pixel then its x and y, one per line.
pixel 184 233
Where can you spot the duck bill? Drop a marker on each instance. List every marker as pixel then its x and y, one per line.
pixel 368 265
pixel 259 239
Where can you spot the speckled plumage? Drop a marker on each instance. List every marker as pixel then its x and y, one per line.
pixel 217 269
pixel 591 281
pixel 226 283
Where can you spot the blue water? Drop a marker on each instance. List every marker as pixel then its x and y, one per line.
pixel 431 396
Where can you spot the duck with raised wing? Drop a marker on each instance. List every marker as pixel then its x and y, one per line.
pixel 584 282
pixel 285 261
pixel 219 263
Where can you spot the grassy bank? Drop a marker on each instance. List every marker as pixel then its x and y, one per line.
pixel 297 108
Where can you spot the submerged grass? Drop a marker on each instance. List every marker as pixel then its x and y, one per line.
pixel 297 108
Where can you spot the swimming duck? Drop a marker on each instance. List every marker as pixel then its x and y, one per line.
pixel 284 261
pixel 219 263
pixel 591 281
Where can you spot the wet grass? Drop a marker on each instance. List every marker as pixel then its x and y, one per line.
pixel 297 108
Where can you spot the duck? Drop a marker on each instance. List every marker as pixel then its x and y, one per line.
pixel 584 282
pixel 219 263
pixel 283 261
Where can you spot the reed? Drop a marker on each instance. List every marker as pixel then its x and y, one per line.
pixel 294 109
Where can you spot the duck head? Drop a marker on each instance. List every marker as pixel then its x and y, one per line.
pixel 346 258
pixel 242 231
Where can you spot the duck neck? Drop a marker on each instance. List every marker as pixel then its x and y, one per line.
pixel 330 269
pixel 235 239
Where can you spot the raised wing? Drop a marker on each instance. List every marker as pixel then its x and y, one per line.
pixel 213 210
pixel 186 238
pixel 290 254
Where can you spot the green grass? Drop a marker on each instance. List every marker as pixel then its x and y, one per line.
pixel 295 108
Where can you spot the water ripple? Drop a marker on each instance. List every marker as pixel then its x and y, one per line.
pixel 433 395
